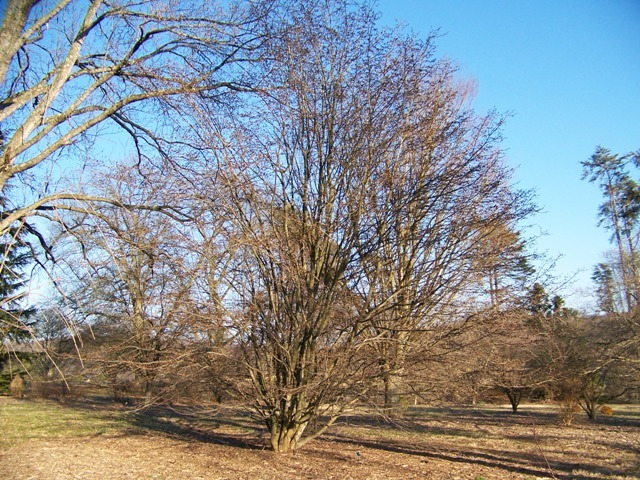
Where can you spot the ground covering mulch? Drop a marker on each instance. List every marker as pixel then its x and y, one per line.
pixel 487 443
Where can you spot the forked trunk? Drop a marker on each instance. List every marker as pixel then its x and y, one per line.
pixel 590 407
pixel 515 397
pixel 285 439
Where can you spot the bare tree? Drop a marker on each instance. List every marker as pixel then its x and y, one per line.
pixel 300 186
pixel 89 83
pixel 73 72
pixel 591 366
pixel 440 204
pixel 362 184
pixel 135 278
pixel 513 361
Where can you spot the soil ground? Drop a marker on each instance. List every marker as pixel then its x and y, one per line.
pixel 98 440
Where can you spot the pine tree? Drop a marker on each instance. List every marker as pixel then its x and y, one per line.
pixel 620 213
pixel 14 317
pixel 604 280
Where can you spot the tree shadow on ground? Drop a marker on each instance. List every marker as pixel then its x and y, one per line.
pixel 175 427
pixel 489 423
pixel 489 416
pixel 194 424
pixel 234 426
pixel 512 462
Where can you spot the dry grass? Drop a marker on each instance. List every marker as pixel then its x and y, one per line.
pixel 101 440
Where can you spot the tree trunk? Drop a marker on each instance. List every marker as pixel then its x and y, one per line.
pixel 633 267
pixel 618 232
pixel 590 407
pixel 393 375
pixel 16 15
pixel 392 390
pixel 285 438
pixel 515 396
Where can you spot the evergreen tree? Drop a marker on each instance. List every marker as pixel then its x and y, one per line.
pixel 541 305
pixel 620 213
pixel 14 318
pixel 605 287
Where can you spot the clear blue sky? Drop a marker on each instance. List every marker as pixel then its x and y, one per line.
pixel 569 71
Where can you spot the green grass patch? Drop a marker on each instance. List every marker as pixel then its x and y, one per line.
pixel 25 420
pixel 21 421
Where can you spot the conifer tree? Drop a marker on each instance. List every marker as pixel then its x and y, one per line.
pixel 620 213
pixel 14 256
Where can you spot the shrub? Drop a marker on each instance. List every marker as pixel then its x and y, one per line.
pixel 568 408
pixel 17 387
pixel 606 410
pixel 51 389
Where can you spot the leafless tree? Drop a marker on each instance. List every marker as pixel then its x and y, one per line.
pixel 300 182
pixel 362 185
pixel 134 277
pixel 514 363
pixel 592 364
pixel 72 73
pixel 440 204
pixel 105 82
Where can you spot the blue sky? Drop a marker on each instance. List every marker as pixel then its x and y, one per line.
pixel 569 72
